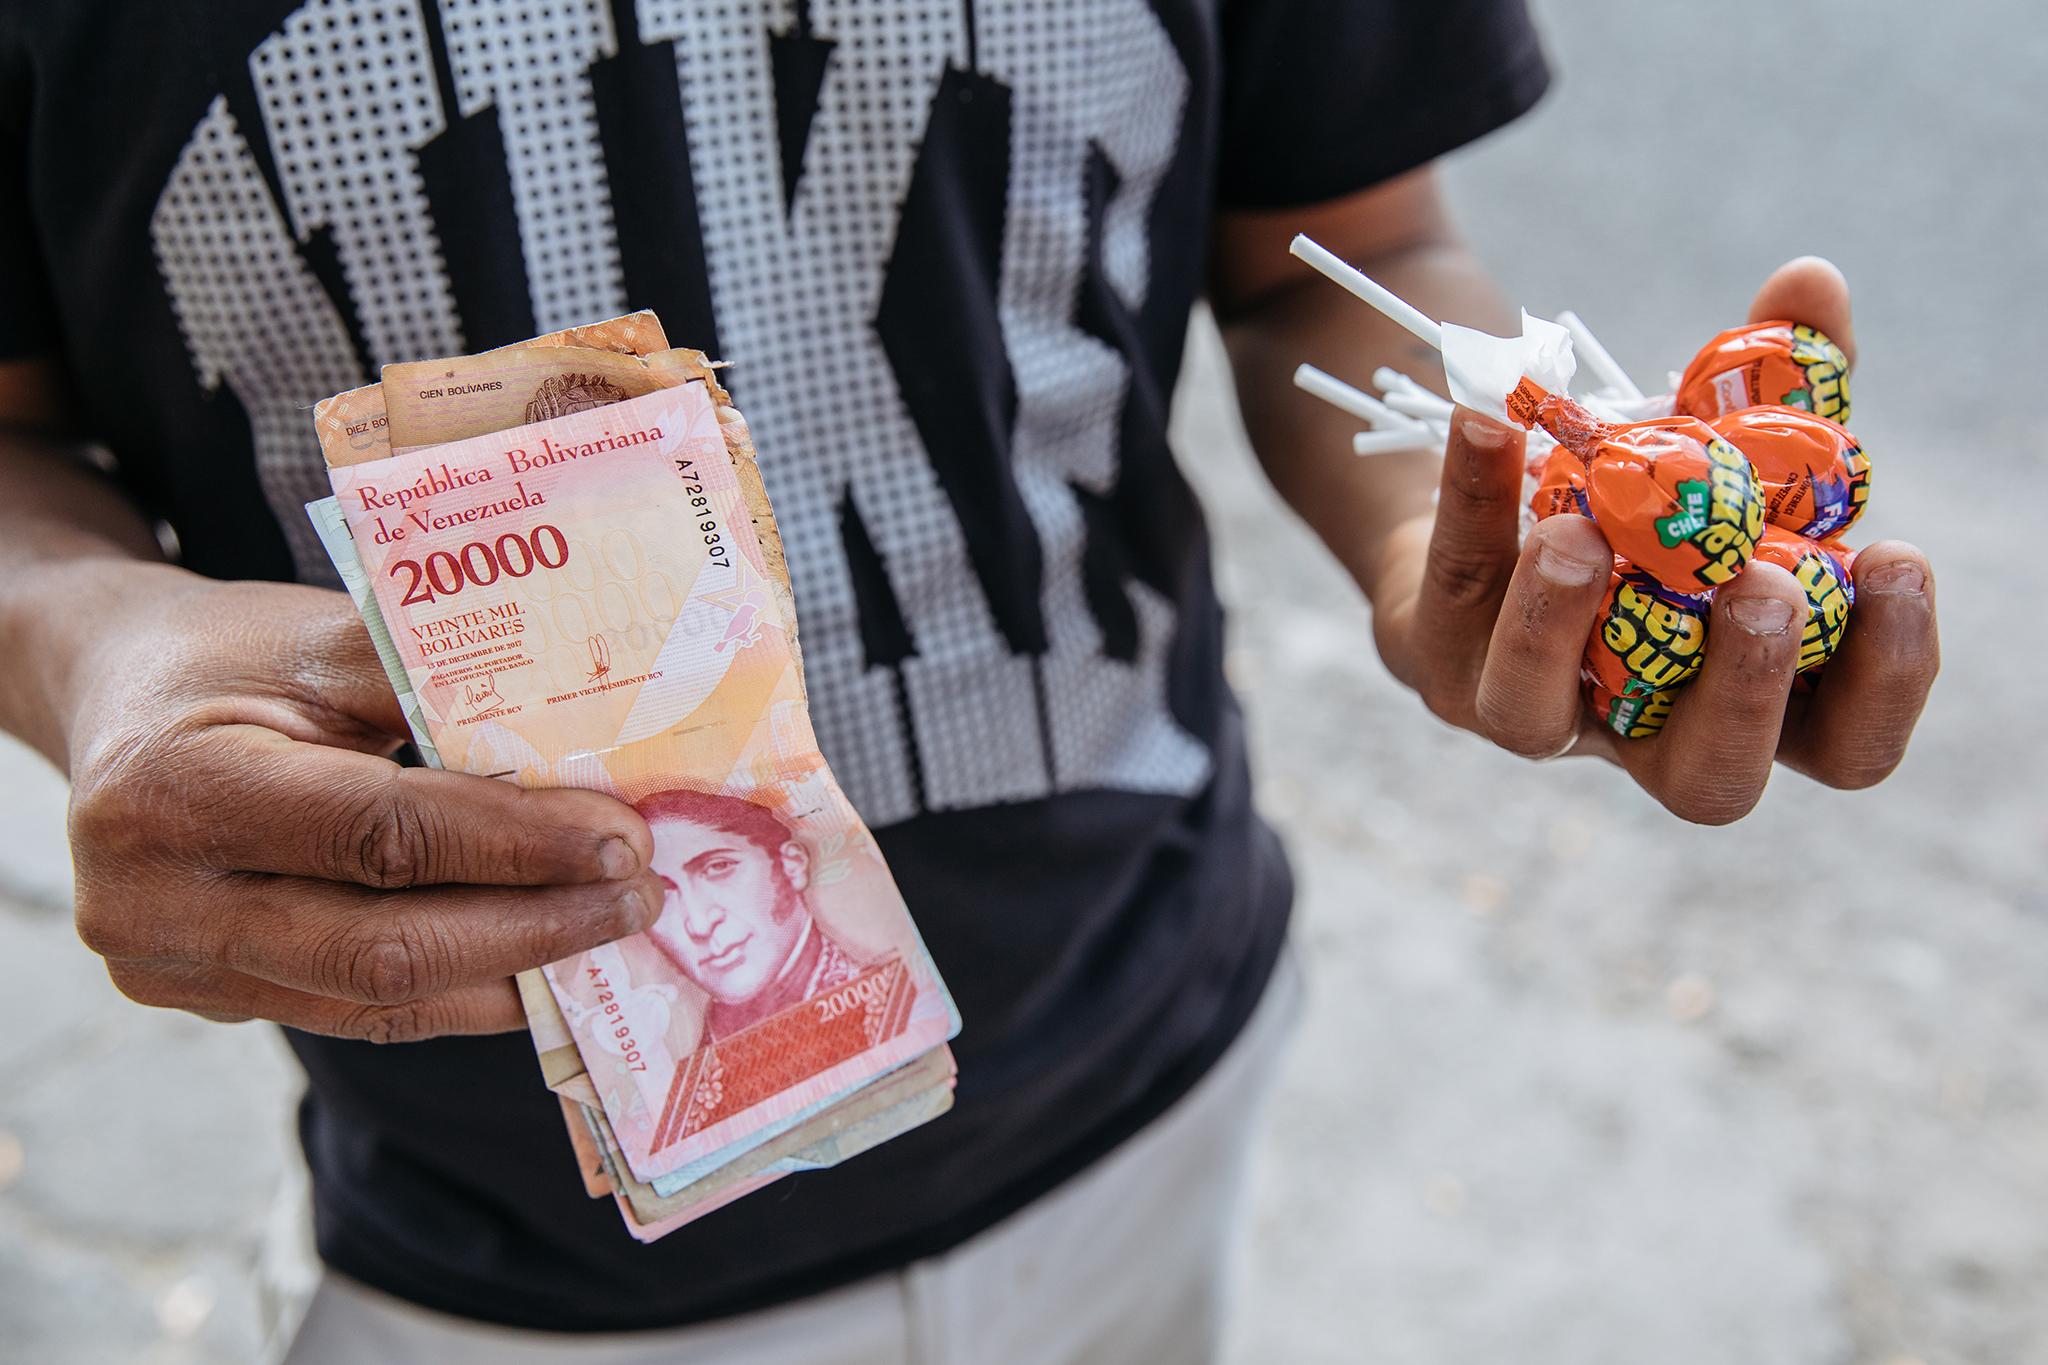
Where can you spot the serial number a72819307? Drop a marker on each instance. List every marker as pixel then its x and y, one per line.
pixel 715 544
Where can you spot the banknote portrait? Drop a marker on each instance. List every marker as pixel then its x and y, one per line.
pixel 737 919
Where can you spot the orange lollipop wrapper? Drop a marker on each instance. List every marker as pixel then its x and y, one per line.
pixel 1783 363
pixel 1646 639
pixel 1823 572
pixel 1561 486
pixel 1673 498
pixel 1676 501
pixel 1814 475
pixel 1634 715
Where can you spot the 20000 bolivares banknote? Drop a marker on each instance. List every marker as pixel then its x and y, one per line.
pixel 595 575
pixel 435 402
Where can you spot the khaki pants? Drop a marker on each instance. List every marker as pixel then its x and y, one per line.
pixel 1128 1262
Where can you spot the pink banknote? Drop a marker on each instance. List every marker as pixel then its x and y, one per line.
pixel 583 602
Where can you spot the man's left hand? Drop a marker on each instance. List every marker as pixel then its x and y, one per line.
pixel 1491 634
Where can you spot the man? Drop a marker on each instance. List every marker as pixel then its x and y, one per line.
pixel 734 918
pixel 951 250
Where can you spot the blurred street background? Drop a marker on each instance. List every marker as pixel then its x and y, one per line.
pixel 1577 1084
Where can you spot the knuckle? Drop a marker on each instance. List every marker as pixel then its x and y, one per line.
pixel 1711 805
pixel 1463 583
pixel 1480 487
pixel 107 817
pixel 568 920
pixel 139 984
pixel 382 970
pixel 130 786
pixel 1450 705
pixel 103 930
pixel 384 1024
pixel 528 852
pixel 156 987
pixel 385 845
pixel 1859 772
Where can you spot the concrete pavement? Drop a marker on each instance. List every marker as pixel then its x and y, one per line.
pixel 1576 1084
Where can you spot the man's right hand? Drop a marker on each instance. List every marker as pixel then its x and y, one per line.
pixel 246 848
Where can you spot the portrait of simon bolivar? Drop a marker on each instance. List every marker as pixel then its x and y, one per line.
pixel 735 917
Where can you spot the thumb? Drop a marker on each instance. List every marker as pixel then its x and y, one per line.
pixel 1812 291
pixel 341 664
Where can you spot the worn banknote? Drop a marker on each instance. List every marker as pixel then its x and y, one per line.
pixel 351 425
pixel 582 600
pixel 488 393
pixel 813 1139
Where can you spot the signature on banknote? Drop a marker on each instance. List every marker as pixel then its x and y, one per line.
pixel 482 697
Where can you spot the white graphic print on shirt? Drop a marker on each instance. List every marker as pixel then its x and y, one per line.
pixel 985 701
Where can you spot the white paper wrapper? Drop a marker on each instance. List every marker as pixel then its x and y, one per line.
pixel 1482 369
pixel 1643 409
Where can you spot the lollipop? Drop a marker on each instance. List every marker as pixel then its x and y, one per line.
pixel 1814 476
pixel 1636 715
pixel 1645 639
pixel 1744 462
pixel 1767 362
pixel 1673 498
pixel 1822 570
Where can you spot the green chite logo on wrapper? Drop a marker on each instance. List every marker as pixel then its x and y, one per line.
pixel 1690 518
pixel 1639 714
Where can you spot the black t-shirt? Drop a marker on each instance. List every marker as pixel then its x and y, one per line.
pixel 951 250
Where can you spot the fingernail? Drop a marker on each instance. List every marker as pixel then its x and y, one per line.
pixel 617 859
pixel 1761 615
pixel 637 907
pixel 1902 579
pixel 1567 571
pixel 1484 435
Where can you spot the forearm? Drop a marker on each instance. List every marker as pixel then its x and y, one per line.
pixel 1371 511
pixel 72 549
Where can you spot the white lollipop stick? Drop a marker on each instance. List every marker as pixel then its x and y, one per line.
pixel 1602 405
pixel 1362 286
pixel 1341 395
pixel 1596 356
pixel 1418 437
pixel 1393 381
pixel 1387 379
pixel 1424 406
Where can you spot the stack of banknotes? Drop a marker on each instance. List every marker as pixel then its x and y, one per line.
pixel 567 560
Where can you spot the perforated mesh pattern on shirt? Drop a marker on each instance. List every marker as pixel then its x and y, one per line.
pixel 1086 74
pixel 254 317
pixel 796 297
pixel 348 94
pixel 347 91
pixel 531 58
